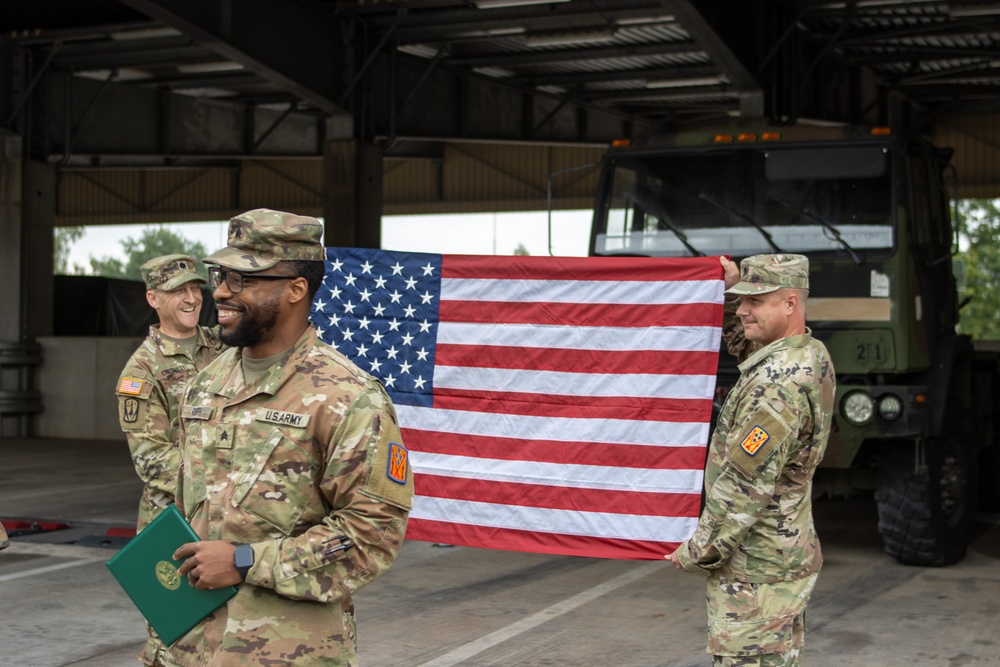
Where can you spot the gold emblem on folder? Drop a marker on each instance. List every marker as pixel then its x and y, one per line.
pixel 167 575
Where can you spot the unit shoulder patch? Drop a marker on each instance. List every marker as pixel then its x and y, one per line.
pixel 391 478
pixel 753 445
pixel 397 465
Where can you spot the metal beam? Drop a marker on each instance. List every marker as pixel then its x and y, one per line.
pixel 309 65
pixel 575 55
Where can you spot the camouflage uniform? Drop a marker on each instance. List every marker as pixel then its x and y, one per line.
pixel 4 542
pixel 755 539
pixel 149 393
pixel 306 465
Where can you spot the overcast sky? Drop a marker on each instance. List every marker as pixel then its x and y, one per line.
pixel 477 234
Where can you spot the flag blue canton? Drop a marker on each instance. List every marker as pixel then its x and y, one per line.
pixel 380 310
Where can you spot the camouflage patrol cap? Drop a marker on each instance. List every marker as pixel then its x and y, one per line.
pixel 169 272
pixel 262 238
pixel 761 274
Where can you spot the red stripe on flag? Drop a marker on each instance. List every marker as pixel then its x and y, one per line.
pixel 645 269
pixel 593 407
pixel 547 451
pixel 558 497
pixel 574 361
pixel 546 543
pixel 580 314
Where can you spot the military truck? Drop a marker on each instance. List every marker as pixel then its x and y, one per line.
pixel 916 402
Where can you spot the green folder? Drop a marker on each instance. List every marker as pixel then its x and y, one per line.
pixel 148 573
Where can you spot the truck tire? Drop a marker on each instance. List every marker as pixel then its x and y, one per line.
pixel 926 517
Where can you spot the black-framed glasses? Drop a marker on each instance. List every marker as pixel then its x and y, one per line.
pixel 234 279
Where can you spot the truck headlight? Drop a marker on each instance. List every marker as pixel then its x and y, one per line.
pixel 890 407
pixel 858 407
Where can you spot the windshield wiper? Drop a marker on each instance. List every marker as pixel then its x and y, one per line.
pixel 856 257
pixel 654 207
pixel 742 216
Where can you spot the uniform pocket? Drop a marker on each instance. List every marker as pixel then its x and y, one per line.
pixel 749 638
pixel 276 481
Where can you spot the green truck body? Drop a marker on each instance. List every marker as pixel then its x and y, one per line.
pixel 916 401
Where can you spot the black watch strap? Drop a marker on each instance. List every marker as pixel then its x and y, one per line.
pixel 243 559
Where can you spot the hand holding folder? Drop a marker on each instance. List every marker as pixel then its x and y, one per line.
pixel 145 568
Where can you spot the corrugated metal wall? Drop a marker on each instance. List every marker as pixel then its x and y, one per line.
pixel 976 140
pixel 469 178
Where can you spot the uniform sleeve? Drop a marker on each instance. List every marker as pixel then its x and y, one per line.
pixel 732 331
pixel 757 449
pixel 369 485
pixel 143 416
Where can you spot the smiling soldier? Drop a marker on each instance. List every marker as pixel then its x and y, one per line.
pixel 154 379
pixel 295 476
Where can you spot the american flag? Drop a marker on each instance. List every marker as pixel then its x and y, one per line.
pixel 551 405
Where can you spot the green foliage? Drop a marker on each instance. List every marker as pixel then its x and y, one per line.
pixel 153 242
pixel 521 250
pixel 978 270
pixel 63 238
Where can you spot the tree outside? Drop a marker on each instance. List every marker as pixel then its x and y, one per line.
pixel 63 240
pixel 978 268
pixel 153 242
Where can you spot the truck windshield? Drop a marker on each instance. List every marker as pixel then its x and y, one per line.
pixel 747 200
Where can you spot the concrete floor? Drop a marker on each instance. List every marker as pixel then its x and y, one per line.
pixel 445 606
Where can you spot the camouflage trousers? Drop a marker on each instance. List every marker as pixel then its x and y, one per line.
pixel 757 625
pixel 154 653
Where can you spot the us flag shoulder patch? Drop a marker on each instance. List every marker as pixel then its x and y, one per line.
pixel 130 386
pixel 396 470
pixel 754 441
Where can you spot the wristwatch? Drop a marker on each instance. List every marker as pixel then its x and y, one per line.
pixel 243 559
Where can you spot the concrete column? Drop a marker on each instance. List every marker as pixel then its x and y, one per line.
pixel 27 212
pixel 11 231
pixel 352 175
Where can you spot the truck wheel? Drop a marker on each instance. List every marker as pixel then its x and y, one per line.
pixel 926 517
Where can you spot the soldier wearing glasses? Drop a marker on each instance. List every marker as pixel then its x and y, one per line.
pixel 295 476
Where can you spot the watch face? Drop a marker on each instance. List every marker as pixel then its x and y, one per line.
pixel 243 557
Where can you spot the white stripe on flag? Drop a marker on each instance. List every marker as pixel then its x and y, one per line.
pixel 574 384
pixel 563 522
pixel 582 291
pixel 627 339
pixel 559 429
pixel 647 480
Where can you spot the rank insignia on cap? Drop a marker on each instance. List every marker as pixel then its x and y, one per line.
pixel 755 440
pixel 396 470
pixel 130 386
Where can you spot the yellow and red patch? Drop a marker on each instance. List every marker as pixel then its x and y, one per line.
pixel 397 463
pixel 754 441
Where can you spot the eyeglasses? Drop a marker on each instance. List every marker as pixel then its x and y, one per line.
pixel 234 279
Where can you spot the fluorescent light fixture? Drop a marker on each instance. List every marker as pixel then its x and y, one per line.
pixel 495 72
pixel 562 38
pixel 208 68
pixel 497 4
pixel 645 20
pixel 419 50
pixel 123 74
pixel 145 33
pixel 973 8
pixel 684 83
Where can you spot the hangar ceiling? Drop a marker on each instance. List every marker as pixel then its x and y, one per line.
pixel 152 108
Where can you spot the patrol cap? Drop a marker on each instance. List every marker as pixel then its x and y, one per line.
pixel 761 274
pixel 262 238
pixel 169 272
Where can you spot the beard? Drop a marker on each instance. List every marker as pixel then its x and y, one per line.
pixel 254 327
